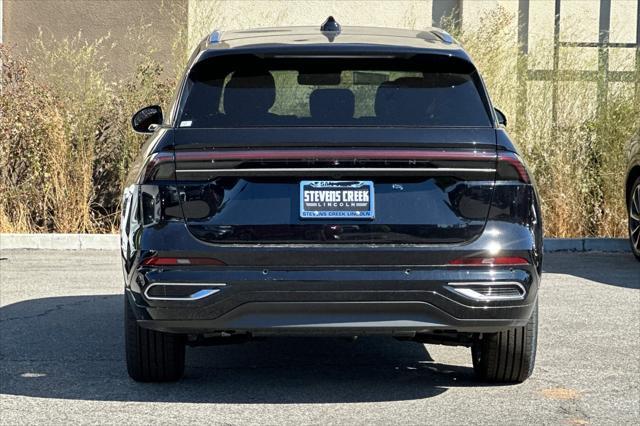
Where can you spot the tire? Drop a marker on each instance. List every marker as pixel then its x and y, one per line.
pixel 508 356
pixel 633 209
pixel 152 356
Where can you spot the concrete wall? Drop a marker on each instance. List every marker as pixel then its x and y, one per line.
pixel 205 15
pixel 96 18
pixel 579 18
pixel 93 19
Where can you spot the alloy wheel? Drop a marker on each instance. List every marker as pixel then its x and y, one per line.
pixel 634 217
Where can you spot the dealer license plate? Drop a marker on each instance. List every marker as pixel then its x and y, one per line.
pixel 336 199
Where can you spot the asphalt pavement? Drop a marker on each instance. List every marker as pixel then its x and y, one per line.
pixel 62 359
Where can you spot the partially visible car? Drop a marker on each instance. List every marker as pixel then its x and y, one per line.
pixel 632 192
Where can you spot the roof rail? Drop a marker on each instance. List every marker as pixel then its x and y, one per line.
pixel 444 36
pixel 215 37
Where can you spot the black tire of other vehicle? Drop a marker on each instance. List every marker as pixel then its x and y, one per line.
pixel 508 356
pixel 632 222
pixel 152 356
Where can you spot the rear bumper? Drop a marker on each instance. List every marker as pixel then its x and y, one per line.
pixel 349 318
pixel 337 289
pixel 333 301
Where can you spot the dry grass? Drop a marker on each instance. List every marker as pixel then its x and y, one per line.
pixel 578 161
pixel 66 146
pixel 65 142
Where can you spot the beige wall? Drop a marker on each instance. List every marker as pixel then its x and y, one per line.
pixel 93 19
pixel 96 18
pixel 579 23
pixel 206 15
pixel 579 17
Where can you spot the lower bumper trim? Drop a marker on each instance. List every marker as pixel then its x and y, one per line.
pixel 291 318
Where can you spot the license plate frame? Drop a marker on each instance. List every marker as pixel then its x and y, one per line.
pixel 359 205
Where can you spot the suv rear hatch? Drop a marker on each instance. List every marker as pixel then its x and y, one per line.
pixel 325 150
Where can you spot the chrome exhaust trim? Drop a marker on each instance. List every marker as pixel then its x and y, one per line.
pixel 205 290
pixel 489 291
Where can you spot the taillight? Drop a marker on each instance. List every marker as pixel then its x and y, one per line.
pixel 489 261
pixel 511 167
pixel 158 166
pixel 182 261
pixel 158 203
pixel 158 197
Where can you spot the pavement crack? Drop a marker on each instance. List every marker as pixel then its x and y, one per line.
pixel 46 312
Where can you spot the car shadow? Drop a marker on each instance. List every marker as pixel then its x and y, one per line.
pixel 617 269
pixel 73 348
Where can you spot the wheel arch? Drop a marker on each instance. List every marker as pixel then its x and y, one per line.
pixel 634 174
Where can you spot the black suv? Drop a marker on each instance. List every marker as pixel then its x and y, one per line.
pixel 329 181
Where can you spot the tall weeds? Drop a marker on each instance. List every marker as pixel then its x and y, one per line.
pixel 577 160
pixel 66 145
pixel 65 141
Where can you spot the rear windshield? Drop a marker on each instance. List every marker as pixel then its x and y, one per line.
pixel 246 91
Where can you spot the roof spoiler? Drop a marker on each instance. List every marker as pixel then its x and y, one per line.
pixel 443 35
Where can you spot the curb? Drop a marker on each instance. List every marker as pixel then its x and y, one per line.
pixel 614 245
pixel 111 242
pixel 59 241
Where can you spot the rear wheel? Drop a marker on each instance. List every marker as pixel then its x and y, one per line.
pixel 152 356
pixel 634 218
pixel 507 356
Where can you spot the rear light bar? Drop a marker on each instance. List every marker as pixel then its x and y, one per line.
pixel 340 171
pixel 182 261
pixel 335 154
pixel 467 162
pixel 489 261
pixel 509 165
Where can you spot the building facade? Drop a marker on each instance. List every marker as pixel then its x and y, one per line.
pixel 118 22
pixel 22 20
pixel 583 25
